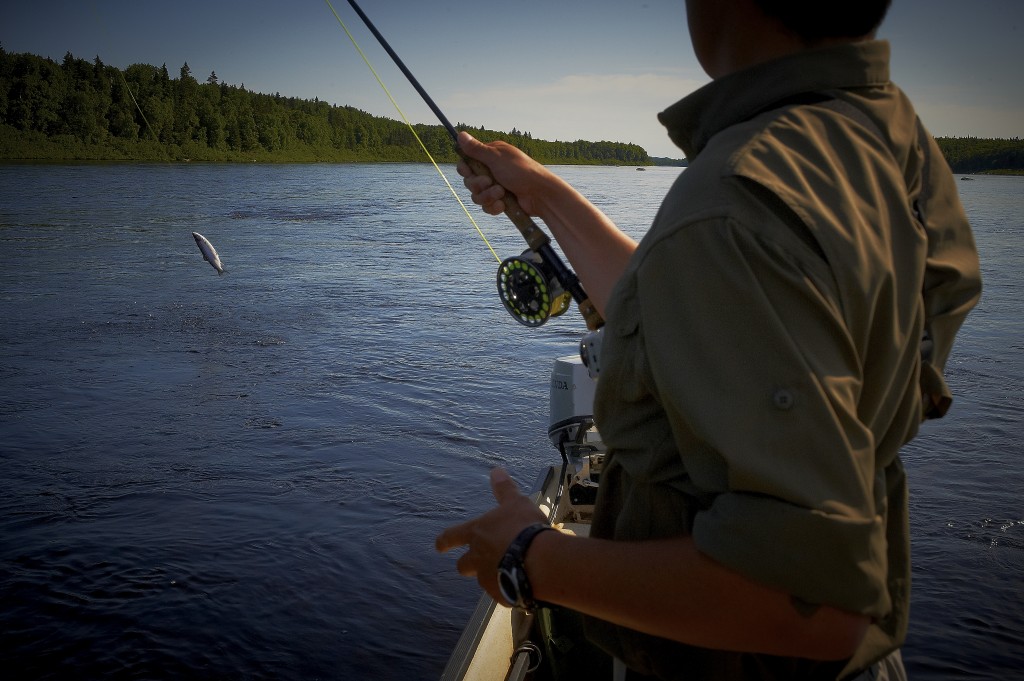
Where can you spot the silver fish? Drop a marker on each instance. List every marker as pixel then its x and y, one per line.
pixel 209 252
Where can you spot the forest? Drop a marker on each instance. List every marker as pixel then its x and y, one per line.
pixel 82 110
pixel 78 110
pixel 975 155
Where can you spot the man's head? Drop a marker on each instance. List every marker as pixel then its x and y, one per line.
pixel 729 35
pixel 814 21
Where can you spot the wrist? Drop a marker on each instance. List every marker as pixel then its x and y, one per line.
pixel 550 197
pixel 514 583
pixel 542 580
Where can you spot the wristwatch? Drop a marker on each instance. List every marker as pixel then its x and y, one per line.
pixel 512 581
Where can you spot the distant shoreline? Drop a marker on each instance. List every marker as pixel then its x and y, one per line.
pixel 1010 171
pixel 36 147
pixel 965 156
pixel 78 110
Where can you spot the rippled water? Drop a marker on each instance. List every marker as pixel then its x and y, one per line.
pixel 967 471
pixel 241 476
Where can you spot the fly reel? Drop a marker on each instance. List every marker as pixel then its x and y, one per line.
pixel 529 290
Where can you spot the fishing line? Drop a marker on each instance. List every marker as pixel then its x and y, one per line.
pixel 103 29
pixel 413 130
pixel 534 286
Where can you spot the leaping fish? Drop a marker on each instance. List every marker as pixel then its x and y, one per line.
pixel 209 252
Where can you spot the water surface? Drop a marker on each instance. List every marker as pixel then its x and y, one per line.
pixel 240 476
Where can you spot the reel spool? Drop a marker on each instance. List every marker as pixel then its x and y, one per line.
pixel 529 291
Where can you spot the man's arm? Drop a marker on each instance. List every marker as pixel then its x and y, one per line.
pixel 666 587
pixel 597 249
pixel 952 281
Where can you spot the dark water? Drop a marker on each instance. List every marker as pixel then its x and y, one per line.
pixel 240 477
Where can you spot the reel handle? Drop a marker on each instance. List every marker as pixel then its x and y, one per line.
pixel 540 243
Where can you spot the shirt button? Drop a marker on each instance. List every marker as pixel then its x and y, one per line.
pixel 782 399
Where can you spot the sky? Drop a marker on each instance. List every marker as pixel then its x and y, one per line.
pixel 558 69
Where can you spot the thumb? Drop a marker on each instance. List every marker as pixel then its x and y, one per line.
pixel 503 486
pixel 472 147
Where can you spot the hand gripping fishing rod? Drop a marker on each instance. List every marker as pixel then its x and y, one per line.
pixel 523 282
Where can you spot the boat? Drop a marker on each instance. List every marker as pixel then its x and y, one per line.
pixel 504 644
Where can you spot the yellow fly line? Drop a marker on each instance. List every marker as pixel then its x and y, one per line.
pixel 411 129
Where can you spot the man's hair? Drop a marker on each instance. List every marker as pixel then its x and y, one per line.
pixel 815 20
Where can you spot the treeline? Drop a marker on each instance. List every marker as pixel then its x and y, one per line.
pixel 82 110
pixel 974 155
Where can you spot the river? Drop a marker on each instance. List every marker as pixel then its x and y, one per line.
pixel 241 476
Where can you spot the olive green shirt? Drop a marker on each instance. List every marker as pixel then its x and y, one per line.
pixel 763 358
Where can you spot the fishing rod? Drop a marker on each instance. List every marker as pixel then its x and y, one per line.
pixel 536 285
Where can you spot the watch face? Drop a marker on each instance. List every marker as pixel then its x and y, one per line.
pixel 508 587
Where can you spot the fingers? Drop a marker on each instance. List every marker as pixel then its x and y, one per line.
pixel 484 189
pixel 504 490
pixel 487 193
pixel 460 535
pixel 503 487
pixel 466 566
pixel 455 536
pixel 487 537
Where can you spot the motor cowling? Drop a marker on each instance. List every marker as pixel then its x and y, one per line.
pixel 571 407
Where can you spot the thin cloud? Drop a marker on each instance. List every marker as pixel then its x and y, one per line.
pixel 615 107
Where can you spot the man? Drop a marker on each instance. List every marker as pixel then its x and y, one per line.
pixel 770 344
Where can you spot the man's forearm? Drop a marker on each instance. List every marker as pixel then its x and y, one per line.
pixel 669 589
pixel 596 248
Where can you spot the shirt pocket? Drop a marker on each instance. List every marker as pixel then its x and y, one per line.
pixel 624 362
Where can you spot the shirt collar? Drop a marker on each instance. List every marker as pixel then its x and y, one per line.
pixel 729 100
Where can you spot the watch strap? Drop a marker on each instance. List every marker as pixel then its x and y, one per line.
pixel 512 580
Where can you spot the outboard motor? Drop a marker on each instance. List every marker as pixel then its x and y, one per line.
pixel 573 432
pixel 572 401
